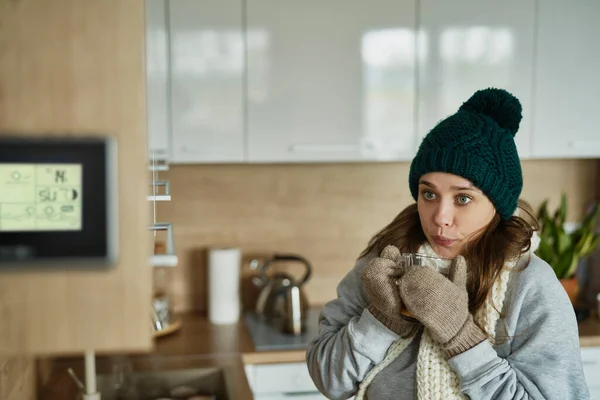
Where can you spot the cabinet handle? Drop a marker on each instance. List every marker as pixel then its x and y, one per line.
pixel 158 153
pixel 584 144
pixel 203 150
pixel 298 394
pixel 329 148
pixel 186 149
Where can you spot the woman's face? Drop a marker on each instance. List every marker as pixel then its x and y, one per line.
pixel 452 212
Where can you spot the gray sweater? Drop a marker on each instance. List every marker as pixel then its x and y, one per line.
pixel 540 359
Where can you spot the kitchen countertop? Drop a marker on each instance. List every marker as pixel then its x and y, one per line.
pixel 202 344
pixel 201 338
pixel 268 337
pixel 197 344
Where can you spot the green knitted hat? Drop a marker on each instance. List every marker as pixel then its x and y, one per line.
pixel 477 143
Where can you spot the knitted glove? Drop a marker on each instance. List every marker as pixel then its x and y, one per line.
pixel 442 305
pixel 380 278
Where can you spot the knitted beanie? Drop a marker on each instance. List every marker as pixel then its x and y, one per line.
pixel 477 143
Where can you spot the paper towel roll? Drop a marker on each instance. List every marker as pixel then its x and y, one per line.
pixel 224 285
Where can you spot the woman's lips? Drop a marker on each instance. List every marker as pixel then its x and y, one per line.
pixel 443 241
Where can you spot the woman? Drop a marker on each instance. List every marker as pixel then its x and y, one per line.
pixel 500 326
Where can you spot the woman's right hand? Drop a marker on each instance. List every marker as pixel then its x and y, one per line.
pixel 380 278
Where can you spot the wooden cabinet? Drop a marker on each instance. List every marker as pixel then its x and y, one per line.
pixel 206 65
pixel 330 81
pixel 567 80
pixel 467 45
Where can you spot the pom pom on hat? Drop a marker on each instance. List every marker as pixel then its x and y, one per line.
pixel 498 104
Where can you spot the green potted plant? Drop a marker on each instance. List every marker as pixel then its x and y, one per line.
pixel 563 250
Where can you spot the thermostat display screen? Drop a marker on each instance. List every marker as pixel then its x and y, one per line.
pixel 40 197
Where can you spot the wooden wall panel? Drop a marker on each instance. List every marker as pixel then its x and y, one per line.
pixel 17 378
pixel 326 212
pixel 77 68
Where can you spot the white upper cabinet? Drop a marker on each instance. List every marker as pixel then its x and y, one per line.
pixel 267 81
pixel 206 44
pixel 567 79
pixel 330 81
pixel 157 75
pixel 467 45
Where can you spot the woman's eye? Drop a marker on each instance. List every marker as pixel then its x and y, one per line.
pixel 428 196
pixel 463 199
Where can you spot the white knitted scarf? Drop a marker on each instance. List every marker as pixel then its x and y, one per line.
pixel 435 379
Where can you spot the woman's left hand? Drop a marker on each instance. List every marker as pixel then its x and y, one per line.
pixel 442 305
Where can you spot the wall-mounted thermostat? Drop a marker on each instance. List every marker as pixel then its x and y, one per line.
pixel 57 202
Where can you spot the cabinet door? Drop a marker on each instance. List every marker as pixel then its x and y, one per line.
pixel 290 396
pixel 157 75
pixel 207 66
pixel 281 381
pixel 567 79
pixel 330 81
pixel 467 45
pixel 590 357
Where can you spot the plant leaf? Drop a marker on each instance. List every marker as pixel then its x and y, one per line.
pixel 563 250
pixel 589 245
pixel 553 235
pixel 563 242
pixel 542 215
pixel 573 267
pixel 545 252
pixel 594 244
pixel 563 264
pixel 562 211
pixel 583 243
pixel 589 222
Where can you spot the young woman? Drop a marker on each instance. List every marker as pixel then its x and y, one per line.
pixel 499 326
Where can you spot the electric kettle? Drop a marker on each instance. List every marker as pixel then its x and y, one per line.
pixel 281 301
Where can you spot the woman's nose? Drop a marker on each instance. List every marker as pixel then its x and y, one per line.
pixel 443 215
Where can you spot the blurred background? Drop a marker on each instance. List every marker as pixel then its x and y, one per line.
pixel 248 129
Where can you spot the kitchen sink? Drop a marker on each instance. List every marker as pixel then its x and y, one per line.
pixel 151 385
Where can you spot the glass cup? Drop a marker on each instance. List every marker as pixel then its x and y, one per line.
pixel 419 260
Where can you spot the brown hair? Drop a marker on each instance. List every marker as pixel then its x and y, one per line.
pixel 486 254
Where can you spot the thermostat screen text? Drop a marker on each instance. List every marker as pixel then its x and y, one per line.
pixel 40 197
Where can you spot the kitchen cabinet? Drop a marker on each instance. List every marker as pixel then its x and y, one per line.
pixel 281 381
pixel 590 357
pixel 330 81
pixel 157 78
pixel 288 396
pixel 206 72
pixel 567 80
pixel 467 45
pixel 265 81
